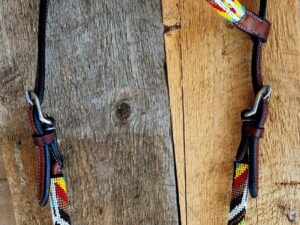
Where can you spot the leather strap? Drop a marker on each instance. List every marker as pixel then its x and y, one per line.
pixel 42 140
pixel 43 175
pixel 254 131
pixel 51 182
pixel 254 25
pixel 39 88
pixel 247 159
pixel 253 127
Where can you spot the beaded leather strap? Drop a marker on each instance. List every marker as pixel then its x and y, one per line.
pixel 51 181
pixel 245 176
pixel 231 10
pixel 242 18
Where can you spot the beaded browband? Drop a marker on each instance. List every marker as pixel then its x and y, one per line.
pixel 51 182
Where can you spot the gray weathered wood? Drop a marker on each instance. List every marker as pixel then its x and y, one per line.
pixel 107 89
pixel 7 214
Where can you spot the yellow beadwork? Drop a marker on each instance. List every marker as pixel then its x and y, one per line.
pixel 231 10
pixel 241 168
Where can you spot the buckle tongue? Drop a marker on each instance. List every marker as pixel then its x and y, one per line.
pixel 33 100
pixel 263 94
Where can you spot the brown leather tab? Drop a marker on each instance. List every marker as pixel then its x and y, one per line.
pixel 43 140
pixel 41 173
pixel 253 131
pixel 254 25
pixel 56 169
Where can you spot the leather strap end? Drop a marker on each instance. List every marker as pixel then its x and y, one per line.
pixel 254 25
pixel 56 170
pixel 253 131
pixel 43 140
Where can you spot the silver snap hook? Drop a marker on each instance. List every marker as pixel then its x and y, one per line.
pixel 265 94
pixel 33 100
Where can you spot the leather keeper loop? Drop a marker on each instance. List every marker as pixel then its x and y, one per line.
pixel 43 140
pixel 254 25
pixel 253 131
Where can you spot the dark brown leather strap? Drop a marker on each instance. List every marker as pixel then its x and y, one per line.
pixel 41 173
pixel 254 131
pixel 254 25
pixel 253 126
pixel 43 140
pixel 43 126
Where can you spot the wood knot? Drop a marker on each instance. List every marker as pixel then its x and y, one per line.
pixel 123 111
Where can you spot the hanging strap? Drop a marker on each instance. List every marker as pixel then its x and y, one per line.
pixel 242 18
pixel 245 177
pixel 51 181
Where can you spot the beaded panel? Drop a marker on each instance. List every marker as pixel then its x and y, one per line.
pixel 231 10
pixel 59 202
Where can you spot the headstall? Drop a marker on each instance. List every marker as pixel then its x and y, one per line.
pixel 245 178
pixel 51 182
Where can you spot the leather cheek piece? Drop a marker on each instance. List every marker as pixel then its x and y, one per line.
pixel 253 131
pixel 254 25
pixel 43 140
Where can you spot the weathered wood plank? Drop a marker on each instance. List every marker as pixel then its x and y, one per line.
pixel 7 213
pixel 216 86
pixel 172 23
pixel 107 90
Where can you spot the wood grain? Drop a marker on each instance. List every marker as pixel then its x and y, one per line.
pixel 7 213
pixel 209 85
pixel 171 21
pixel 106 87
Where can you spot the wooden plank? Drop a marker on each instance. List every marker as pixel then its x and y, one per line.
pixel 216 86
pixel 7 213
pixel 172 23
pixel 107 90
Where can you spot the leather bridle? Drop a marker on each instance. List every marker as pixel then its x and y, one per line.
pixel 51 182
pixel 247 159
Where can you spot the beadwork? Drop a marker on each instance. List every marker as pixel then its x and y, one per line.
pixel 231 10
pixel 59 202
pixel 238 203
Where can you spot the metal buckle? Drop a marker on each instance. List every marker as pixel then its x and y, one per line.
pixel 33 100
pixel 265 94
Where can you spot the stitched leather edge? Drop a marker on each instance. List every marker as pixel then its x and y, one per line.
pixel 254 25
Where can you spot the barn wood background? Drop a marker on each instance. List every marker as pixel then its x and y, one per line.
pixel 208 66
pixel 106 86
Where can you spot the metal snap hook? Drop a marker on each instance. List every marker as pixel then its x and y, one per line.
pixel 33 100
pixel 265 94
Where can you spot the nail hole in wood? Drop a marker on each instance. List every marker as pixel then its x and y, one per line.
pixel 18 143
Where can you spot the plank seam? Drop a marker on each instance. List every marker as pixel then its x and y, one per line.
pixel 180 4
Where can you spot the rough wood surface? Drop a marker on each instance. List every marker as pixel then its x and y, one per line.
pixel 107 89
pixel 209 81
pixel 7 214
